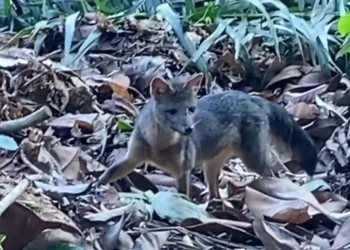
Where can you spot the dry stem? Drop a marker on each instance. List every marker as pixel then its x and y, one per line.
pixel 36 117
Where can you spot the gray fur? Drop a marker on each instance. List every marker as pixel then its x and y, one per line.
pixel 226 124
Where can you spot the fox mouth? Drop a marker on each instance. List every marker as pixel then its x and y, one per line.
pixel 188 132
pixel 179 131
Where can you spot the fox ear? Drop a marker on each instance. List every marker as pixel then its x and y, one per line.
pixel 194 82
pixel 160 87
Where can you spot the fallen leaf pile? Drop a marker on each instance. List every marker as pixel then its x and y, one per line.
pixel 66 116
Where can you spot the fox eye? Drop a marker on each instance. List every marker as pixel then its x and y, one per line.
pixel 172 111
pixel 192 109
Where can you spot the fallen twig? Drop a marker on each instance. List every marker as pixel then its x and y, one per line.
pixel 25 122
pixel 31 165
pixel 16 192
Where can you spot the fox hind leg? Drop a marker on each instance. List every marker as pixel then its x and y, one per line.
pixel 212 170
pixel 255 149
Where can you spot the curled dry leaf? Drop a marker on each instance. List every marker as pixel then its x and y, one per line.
pixel 141 182
pixel 281 210
pixel 240 231
pixel 120 84
pixel 273 237
pixel 151 240
pixel 29 216
pixel 114 235
pixel 70 120
pixel 303 110
pixel 307 96
pixel 287 190
pixel 290 72
pixel 342 238
pixel 329 201
pixel 335 153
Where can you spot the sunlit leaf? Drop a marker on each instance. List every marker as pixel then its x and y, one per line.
pixel 344 25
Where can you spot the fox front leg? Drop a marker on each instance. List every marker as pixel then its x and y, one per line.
pixel 189 161
pixel 135 156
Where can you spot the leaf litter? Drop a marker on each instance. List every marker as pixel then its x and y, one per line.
pixel 66 115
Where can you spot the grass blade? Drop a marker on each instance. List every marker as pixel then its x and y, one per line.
pixel 237 35
pixel 7 8
pixel 209 41
pixel 190 7
pixel 283 9
pixel 90 41
pixel 40 38
pixel 69 34
pixel 173 19
pixel 258 4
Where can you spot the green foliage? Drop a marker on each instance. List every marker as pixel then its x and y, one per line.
pixel 287 26
pixel 2 239
pixel 124 126
pixel 344 30
pixel 344 25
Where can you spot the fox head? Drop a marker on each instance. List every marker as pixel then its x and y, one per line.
pixel 174 104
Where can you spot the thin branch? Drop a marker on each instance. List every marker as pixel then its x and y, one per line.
pixel 38 116
pixel 16 192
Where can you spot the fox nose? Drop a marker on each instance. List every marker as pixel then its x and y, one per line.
pixel 188 130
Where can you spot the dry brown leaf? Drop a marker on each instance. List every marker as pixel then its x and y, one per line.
pixel 303 110
pixel 29 216
pixel 241 231
pixel 120 83
pixel 281 210
pixel 286 190
pixel 273 237
pixel 342 239
pixel 151 240
pixel 307 96
pixel 290 72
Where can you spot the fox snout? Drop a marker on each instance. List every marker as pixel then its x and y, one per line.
pixel 185 129
pixel 188 131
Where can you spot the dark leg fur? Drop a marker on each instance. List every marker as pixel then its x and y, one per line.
pixel 254 150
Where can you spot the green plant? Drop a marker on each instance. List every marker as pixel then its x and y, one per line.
pixel 2 239
pixel 344 30
pixel 286 26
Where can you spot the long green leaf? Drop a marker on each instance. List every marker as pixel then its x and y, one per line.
pixel 237 35
pixel 39 40
pixel 90 41
pixel 209 41
pixel 258 4
pixel 173 19
pixel 190 7
pixel 7 7
pixel 283 9
pixel 14 40
pixel 206 44
pixel 69 34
